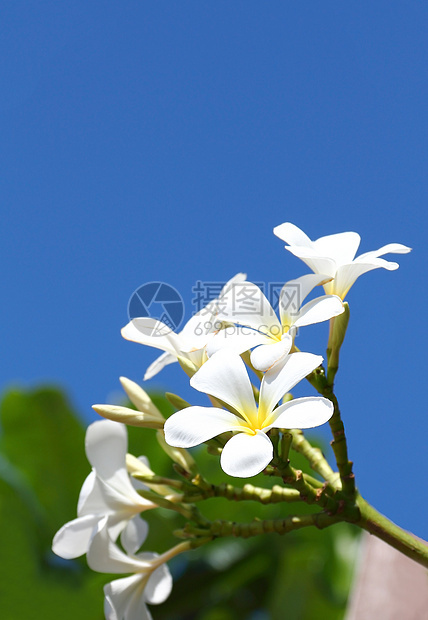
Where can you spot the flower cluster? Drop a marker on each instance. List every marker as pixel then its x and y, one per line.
pixel 216 348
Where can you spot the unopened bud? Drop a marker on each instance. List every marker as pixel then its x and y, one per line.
pixel 178 455
pixel 137 467
pixel 139 398
pixel 177 401
pixel 129 416
pixel 338 326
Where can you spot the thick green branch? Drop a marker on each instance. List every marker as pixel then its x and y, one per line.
pixel 374 522
pixel 274 495
pixel 340 447
pixel 320 520
pixel 202 489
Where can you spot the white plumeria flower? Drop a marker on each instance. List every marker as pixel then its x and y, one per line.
pixel 334 256
pixel 151 581
pixel 246 306
pixel 188 345
pixel 224 376
pixel 106 492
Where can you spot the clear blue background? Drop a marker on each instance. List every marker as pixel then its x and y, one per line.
pixel 163 141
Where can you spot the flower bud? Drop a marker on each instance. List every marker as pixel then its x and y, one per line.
pixel 338 326
pixel 177 401
pixel 129 416
pixel 179 455
pixel 140 399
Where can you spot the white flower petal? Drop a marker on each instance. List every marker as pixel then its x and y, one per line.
pixel 283 376
pixel 106 445
pixel 73 539
pixel 237 278
pixel 196 332
pixel 318 264
pixel 104 556
pixel 153 333
pixel 134 534
pixel 293 293
pixel 122 500
pixel 320 309
pixel 334 255
pixel 212 308
pixel 137 608
pixel 109 610
pixel 159 586
pixel 159 364
pixel 245 304
pixel 347 274
pixel 118 595
pixel 194 425
pixel 224 376
pixel 390 248
pixel 266 355
pixel 90 496
pixel 301 413
pixel 292 235
pixel 237 339
pixel 340 247
pixel 246 455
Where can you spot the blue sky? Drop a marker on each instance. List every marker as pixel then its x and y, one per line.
pixel 163 141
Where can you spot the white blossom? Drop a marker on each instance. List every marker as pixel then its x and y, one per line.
pixel 188 346
pixel 106 492
pixel 247 307
pixel 150 581
pixel 334 256
pixel 250 450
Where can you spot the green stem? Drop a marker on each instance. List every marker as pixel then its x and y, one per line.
pixel 311 494
pixel 248 492
pixel 314 456
pixel 340 447
pixel 286 441
pixel 320 520
pixel 189 511
pixel 374 522
pixel 318 379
